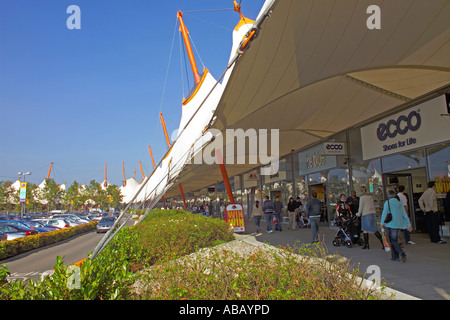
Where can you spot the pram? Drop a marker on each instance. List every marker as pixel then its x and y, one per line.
pixel 349 232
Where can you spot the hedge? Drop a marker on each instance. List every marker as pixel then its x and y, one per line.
pixel 20 245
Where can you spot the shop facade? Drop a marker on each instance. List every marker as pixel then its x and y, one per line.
pixel 409 148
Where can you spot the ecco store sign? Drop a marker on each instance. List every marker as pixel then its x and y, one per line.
pixel 400 125
pixel 334 148
pixel 416 127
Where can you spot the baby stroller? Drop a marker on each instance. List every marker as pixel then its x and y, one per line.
pixel 349 232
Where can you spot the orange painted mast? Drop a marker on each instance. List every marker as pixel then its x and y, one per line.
pixel 151 155
pixel 124 180
pixel 237 8
pixel 105 184
pixel 168 145
pixel 142 171
pixel 224 173
pixel 185 33
pixel 134 174
pixel 165 130
pixel 49 170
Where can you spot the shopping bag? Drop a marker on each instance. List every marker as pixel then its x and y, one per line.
pixel 275 221
pixel 387 246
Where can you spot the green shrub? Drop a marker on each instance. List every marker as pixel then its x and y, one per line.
pixel 111 274
pixel 17 246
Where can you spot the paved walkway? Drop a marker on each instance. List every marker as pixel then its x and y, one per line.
pixel 425 275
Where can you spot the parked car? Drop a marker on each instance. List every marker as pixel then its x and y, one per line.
pixel 73 217
pixel 3 236
pixel 40 227
pixel 95 217
pixel 105 224
pixel 59 223
pixel 14 231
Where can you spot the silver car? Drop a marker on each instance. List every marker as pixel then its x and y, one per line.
pixel 59 223
pixel 15 231
pixel 73 217
pixel 105 224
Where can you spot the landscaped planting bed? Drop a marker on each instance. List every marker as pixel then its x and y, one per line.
pixel 173 254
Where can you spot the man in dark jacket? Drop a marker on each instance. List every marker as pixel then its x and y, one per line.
pixel 278 208
pixel 312 211
pixel 268 211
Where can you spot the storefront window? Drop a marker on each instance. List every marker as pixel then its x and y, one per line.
pixel 439 167
pixel 404 161
pixel 319 177
pixel 368 174
pixel 338 182
pixel 301 189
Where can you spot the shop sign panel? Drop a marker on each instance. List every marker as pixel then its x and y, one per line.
pixel 315 160
pixel 416 127
pixel 334 148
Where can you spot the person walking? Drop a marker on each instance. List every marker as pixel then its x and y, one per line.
pixel 298 206
pixel 353 202
pixel 404 200
pixel 428 204
pixel 268 211
pixel 277 210
pixel 312 211
pixel 291 207
pixel 222 211
pixel 366 210
pixel 256 215
pixel 398 222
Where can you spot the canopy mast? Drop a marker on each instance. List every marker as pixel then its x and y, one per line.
pixel 49 170
pixel 105 184
pixel 124 180
pixel 185 33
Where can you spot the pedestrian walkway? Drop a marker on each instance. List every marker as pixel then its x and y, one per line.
pixel 425 275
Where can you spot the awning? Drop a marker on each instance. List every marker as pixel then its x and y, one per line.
pixel 315 69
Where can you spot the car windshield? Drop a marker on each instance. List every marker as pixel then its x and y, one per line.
pixel 107 219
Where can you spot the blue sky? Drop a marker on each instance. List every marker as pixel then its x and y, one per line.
pixel 80 98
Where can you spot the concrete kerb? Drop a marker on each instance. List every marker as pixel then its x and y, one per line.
pixel 386 292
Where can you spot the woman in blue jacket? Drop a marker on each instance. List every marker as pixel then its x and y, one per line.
pixel 399 222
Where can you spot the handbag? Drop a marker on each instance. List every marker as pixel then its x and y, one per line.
pixel 275 220
pixel 389 215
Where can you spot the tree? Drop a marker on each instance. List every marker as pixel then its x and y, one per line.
pixel 6 196
pixel 73 196
pixel 115 196
pixel 51 193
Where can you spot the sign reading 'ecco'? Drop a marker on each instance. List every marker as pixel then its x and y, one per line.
pixel 334 148
pixel 416 127
pixel 400 125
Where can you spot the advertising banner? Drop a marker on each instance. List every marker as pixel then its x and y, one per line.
pixel 234 214
pixel 23 191
pixel 419 126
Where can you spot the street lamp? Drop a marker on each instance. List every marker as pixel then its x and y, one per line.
pixel 23 174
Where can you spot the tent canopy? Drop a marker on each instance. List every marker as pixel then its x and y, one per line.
pixel 315 69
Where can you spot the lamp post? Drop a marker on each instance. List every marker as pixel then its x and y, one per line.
pixel 23 174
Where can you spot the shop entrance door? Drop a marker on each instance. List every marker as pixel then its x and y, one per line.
pixel 414 182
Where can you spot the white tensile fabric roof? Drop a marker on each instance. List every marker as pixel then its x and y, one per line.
pixel 315 69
